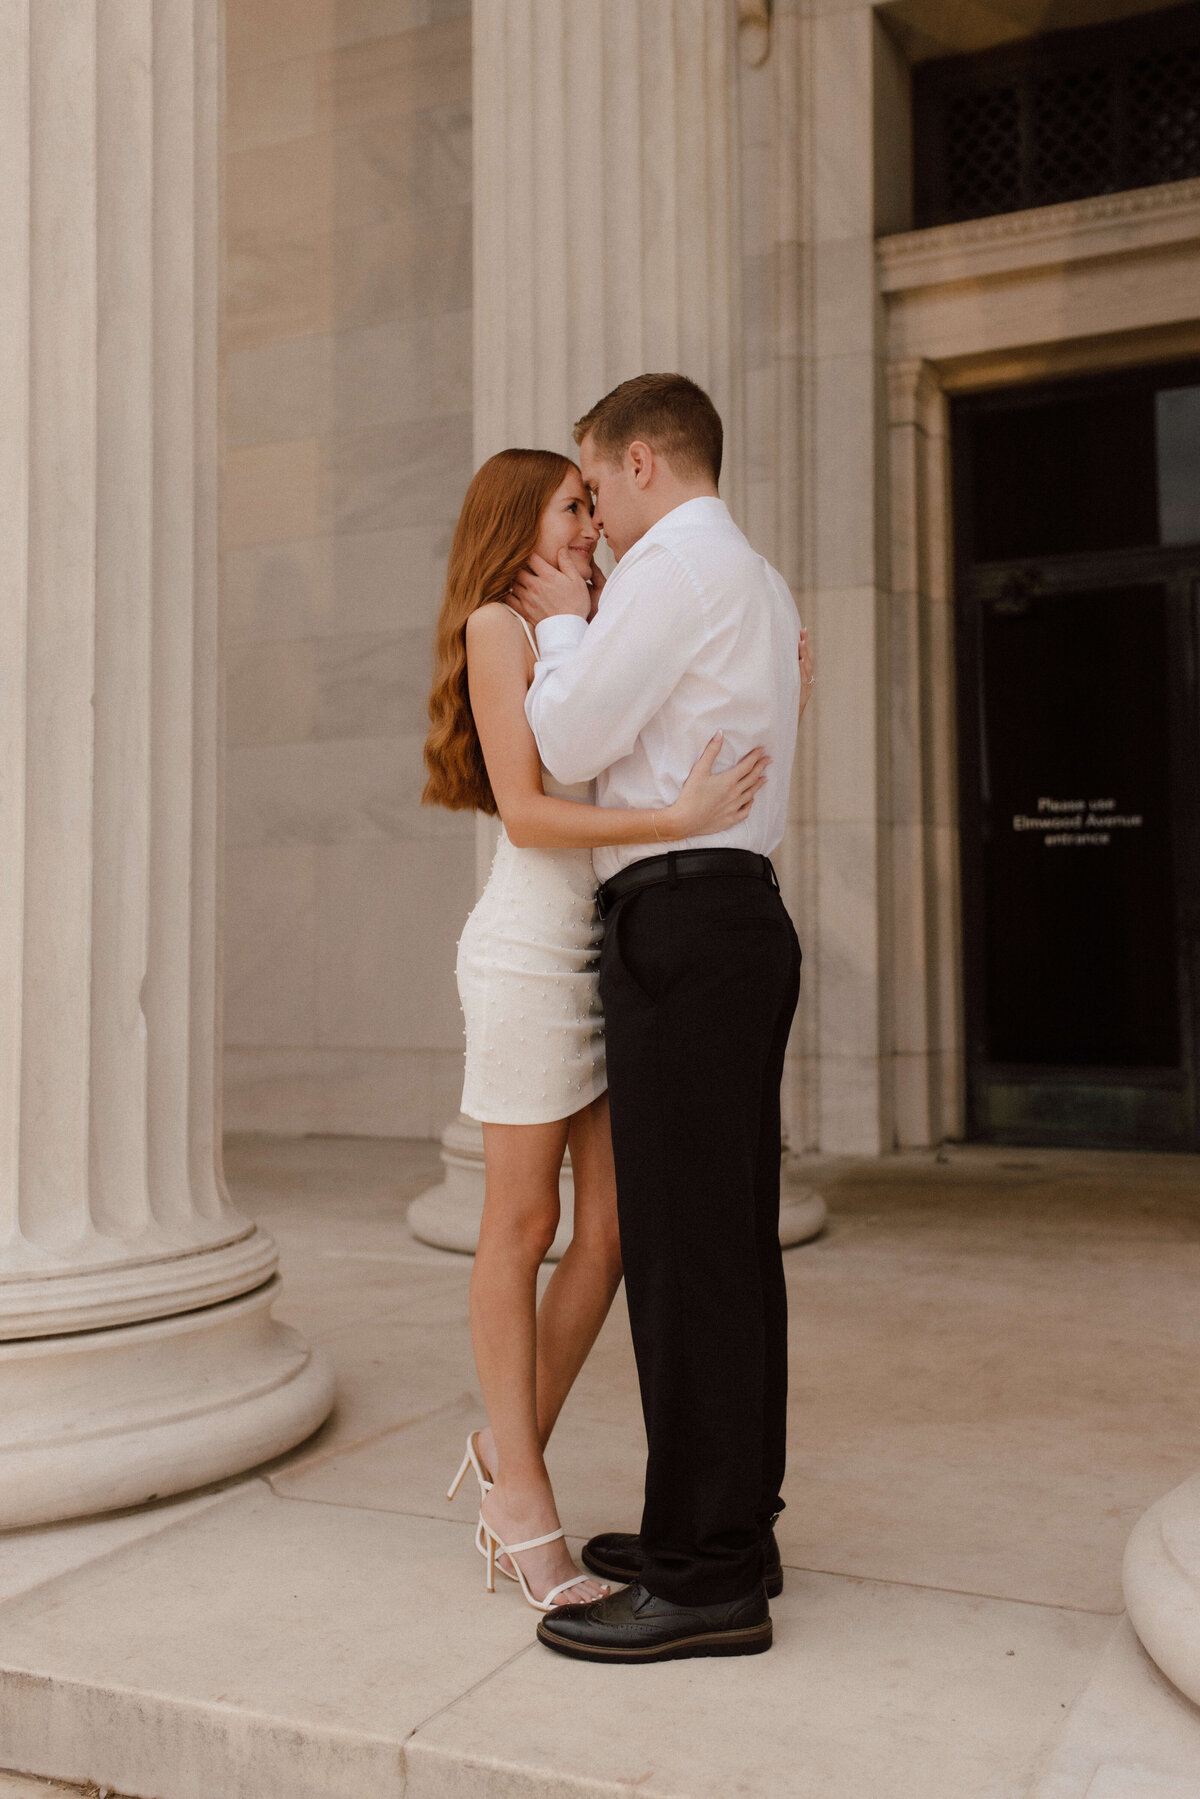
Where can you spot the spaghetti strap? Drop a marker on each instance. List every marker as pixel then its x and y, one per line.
pixel 524 624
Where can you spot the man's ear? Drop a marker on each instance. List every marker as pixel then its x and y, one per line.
pixel 641 464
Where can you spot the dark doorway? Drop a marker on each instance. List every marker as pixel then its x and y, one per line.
pixel 1077 519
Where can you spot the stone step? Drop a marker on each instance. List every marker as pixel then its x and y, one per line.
pixel 263 1647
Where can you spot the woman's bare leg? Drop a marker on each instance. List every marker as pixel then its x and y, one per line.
pixel 520 1216
pixel 582 1288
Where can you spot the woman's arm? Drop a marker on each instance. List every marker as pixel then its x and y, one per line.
pixel 499 667
pixel 808 679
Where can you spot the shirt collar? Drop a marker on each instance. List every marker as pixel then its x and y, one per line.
pixel 706 509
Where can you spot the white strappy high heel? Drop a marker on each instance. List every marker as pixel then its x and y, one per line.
pixel 471 1460
pixel 495 1547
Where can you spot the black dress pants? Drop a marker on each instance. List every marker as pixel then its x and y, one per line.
pixel 699 982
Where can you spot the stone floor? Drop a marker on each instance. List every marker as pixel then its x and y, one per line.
pixel 994 1372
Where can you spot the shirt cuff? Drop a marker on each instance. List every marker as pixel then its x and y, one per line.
pixel 560 636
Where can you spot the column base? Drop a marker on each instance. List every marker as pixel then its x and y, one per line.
pixel 103 1419
pixel 802 1212
pixel 127 1283
pixel 1161 1577
pixel 448 1215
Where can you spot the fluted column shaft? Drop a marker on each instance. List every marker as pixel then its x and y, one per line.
pixel 112 1206
pixel 607 244
pixel 606 182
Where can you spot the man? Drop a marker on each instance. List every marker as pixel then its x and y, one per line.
pixel 699 977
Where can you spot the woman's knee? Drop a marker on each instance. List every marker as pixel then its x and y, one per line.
pixel 524 1233
pixel 537 1233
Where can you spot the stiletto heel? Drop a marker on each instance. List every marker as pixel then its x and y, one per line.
pixel 471 1460
pixel 512 1550
pixel 457 1482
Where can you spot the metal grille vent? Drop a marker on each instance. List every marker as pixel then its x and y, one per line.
pixel 1164 116
pixel 1074 145
pixel 983 153
pixel 1073 114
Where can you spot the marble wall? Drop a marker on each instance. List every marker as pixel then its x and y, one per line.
pixel 346 448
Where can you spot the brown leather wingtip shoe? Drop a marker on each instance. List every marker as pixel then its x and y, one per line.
pixel 617 1555
pixel 634 1626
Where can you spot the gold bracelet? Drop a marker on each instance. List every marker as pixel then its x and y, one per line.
pixel 654 828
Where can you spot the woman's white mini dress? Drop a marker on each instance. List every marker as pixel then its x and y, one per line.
pixel 528 979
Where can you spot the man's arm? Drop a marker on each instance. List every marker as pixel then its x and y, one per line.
pixel 596 686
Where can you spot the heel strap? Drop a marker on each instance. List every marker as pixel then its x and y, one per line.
pixel 476 1464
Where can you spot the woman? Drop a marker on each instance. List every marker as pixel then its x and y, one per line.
pixel 527 975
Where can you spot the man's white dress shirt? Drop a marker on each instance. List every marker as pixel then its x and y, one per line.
pixel 695 633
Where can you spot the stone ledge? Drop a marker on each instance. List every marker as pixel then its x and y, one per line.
pixel 273 1648
pixel 1073 231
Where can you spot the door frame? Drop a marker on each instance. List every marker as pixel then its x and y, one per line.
pixel 1010 301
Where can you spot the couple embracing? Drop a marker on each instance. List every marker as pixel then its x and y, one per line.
pixel 638 734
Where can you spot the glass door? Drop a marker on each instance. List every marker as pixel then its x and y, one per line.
pixel 1080 772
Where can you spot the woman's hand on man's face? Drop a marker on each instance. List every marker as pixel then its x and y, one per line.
pixel 543 591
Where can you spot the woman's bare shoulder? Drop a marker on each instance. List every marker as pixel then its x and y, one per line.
pixel 495 616
pixel 494 629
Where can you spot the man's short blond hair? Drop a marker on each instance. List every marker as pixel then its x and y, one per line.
pixel 670 413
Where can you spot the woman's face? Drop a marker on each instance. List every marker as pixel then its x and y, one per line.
pixel 566 524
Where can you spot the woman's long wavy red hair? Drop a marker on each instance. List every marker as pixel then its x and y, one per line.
pixel 497 529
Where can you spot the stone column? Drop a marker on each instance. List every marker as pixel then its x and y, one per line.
pixel 1161 1578
pixel 923 848
pixel 607 243
pixel 883 812
pixel 606 219
pixel 137 1352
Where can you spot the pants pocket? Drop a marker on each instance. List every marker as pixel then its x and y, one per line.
pixel 619 964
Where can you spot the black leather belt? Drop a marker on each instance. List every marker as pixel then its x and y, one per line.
pixel 682 865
